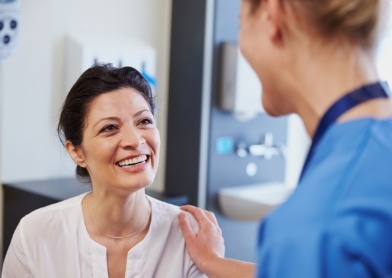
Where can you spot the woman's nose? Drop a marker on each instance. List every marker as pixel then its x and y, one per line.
pixel 131 137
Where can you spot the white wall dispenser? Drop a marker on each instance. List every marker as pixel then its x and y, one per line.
pixel 85 50
pixel 240 88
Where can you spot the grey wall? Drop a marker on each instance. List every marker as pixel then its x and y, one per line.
pixel 185 98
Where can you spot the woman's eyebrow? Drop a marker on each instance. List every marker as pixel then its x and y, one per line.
pixel 141 112
pixel 106 118
pixel 118 119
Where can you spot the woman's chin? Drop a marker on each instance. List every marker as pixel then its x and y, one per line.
pixel 270 110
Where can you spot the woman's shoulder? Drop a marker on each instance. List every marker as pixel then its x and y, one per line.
pixel 71 202
pixel 163 210
pixel 166 213
pixel 53 213
pixel 55 227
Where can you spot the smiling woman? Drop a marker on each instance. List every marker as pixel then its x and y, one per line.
pixel 107 126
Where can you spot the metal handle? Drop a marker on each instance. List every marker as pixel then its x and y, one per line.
pixel 266 149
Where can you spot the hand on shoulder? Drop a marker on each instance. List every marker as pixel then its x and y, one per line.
pixel 206 247
pixel 207 244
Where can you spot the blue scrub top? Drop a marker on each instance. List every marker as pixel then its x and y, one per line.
pixel 338 222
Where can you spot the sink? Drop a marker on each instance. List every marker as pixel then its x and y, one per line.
pixel 252 202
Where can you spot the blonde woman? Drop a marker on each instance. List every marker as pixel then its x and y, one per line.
pixel 315 58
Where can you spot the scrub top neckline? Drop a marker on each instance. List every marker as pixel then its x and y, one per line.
pixel 345 103
pixel 363 119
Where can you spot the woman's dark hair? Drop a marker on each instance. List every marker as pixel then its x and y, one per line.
pixel 97 80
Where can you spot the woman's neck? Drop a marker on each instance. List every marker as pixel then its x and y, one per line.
pixel 117 215
pixel 329 76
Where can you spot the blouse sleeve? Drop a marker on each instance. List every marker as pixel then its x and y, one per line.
pixel 16 262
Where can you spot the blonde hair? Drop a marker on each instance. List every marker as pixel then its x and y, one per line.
pixel 353 20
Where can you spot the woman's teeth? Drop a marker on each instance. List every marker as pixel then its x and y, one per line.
pixel 132 161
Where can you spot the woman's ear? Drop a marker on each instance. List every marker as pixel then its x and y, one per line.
pixel 274 11
pixel 75 153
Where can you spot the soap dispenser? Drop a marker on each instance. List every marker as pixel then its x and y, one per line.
pixel 240 88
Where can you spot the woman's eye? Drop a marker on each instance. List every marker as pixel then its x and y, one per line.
pixel 109 128
pixel 146 121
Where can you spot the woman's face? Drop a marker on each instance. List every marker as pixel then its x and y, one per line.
pixel 120 146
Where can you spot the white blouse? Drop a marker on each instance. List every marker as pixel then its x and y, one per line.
pixel 53 242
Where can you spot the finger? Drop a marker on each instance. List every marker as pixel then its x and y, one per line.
pixel 200 214
pixel 211 216
pixel 185 226
pixel 197 213
pixel 188 207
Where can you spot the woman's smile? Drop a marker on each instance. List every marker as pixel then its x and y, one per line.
pixel 132 162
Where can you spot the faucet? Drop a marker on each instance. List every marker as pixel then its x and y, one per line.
pixel 266 149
